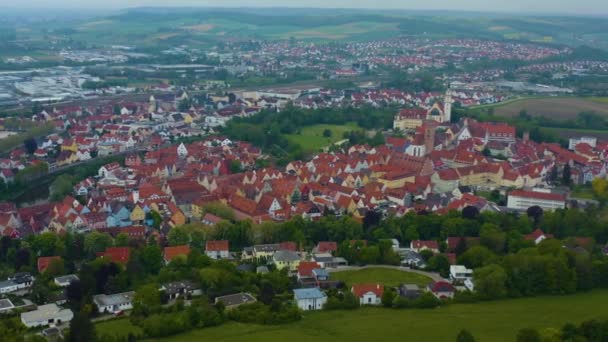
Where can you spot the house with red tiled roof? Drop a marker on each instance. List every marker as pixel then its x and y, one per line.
pixel 119 255
pixel 326 247
pixel 305 269
pixel 174 251
pixel 44 262
pixel 420 245
pixel 442 289
pixel 368 294
pixel 537 236
pixel 217 249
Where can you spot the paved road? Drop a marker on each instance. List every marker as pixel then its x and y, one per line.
pixel 432 275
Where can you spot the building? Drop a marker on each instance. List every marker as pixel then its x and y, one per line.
pixel 48 314
pixel 183 288
pixel 6 305
pixel 368 294
pixel 8 286
pixel 310 299
pixel 172 252
pixel 522 200
pixel 442 289
pixel 45 262
pixel 420 245
pixel 286 259
pixel 235 300
pixel 409 291
pixel 114 303
pixel 591 141
pixel 459 273
pixel 217 249
pixel 65 280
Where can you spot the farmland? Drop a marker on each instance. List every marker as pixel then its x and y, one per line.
pixel 488 321
pixel 385 276
pixel 559 108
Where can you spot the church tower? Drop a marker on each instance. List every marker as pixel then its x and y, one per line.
pixel 447 105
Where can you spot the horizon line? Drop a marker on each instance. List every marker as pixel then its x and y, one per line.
pixel 499 12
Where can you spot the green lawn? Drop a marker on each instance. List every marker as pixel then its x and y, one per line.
pixel 311 137
pixel 385 276
pixel 488 321
pixel 117 328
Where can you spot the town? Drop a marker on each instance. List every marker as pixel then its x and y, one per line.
pixel 272 182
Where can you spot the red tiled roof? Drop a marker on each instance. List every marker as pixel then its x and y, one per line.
pixel 327 246
pixel 44 262
pixel 538 195
pixel 216 245
pixel 305 268
pixel 441 286
pixel 119 255
pixel 174 251
pixel 431 244
pixel 360 289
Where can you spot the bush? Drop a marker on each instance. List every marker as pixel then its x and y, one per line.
pixel 342 301
pixel 162 325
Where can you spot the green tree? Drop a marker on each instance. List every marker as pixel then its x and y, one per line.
pixel 567 175
pixel 490 281
pixel 178 236
pixel 121 240
pixel 81 329
pixel 96 242
pixel 388 297
pixel 146 300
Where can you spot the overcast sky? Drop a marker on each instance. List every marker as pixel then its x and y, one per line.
pixel 597 7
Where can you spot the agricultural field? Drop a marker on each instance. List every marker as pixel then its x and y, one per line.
pixel 385 276
pixel 488 321
pixel 560 108
pixel 311 138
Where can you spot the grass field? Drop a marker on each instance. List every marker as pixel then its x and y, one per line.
pixel 488 321
pixel 312 140
pixel 560 108
pixel 117 328
pixel 385 276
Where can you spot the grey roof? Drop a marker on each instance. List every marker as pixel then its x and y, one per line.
pixel 66 278
pixel 44 312
pixel 266 248
pixel 320 272
pixel 311 293
pixel 6 304
pixel 261 269
pixel 236 299
pixel 114 299
pixel 410 287
pixel 286 256
pixel 179 286
pixel 7 283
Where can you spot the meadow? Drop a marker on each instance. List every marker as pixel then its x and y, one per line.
pixel 488 321
pixel 560 108
pixel 311 138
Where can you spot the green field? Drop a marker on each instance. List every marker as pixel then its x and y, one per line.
pixel 385 276
pixel 312 140
pixel 117 328
pixel 488 321
pixel 559 108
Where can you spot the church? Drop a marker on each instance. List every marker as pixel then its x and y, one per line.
pixel 412 118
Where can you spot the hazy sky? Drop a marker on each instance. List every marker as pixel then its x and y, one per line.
pixel 597 7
